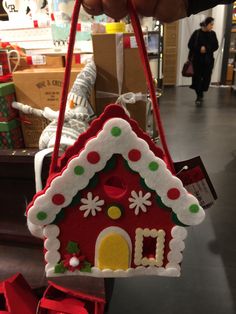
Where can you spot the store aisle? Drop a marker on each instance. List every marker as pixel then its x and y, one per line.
pixel 208 281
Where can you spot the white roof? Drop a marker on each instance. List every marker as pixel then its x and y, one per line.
pixel 116 137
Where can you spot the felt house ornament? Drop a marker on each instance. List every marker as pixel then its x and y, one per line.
pixel 113 209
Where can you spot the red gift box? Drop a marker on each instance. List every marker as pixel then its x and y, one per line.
pixel 10 135
pixel 7 96
pixel 16 296
pixel 59 300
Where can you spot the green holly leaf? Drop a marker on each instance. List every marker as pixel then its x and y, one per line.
pixel 72 247
pixel 87 268
pixel 59 268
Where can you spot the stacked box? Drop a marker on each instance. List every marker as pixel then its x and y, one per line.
pixel 10 134
pixel 39 88
pixel 7 96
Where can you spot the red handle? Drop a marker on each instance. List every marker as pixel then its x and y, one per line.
pixel 147 71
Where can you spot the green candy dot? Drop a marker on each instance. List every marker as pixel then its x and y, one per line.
pixel 153 166
pixel 115 131
pixel 42 216
pixel 79 170
pixel 194 208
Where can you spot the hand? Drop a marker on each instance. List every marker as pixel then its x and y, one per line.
pixel 163 10
pixel 203 49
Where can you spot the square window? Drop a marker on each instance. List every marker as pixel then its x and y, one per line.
pixel 149 247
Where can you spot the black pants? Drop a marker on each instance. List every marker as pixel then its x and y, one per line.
pixel 202 74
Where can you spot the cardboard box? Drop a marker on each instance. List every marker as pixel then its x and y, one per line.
pixel 38 62
pixel 104 47
pixel 39 88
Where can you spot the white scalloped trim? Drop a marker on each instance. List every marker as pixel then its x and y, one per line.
pixel 139 259
pixel 52 245
pixel 172 268
pixel 131 272
pixel 161 180
pixel 176 246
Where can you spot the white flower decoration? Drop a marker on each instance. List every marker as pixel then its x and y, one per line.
pixel 139 201
pixel 91 205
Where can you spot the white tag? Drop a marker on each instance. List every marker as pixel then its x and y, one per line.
pixel 1 71
pixel 202 192
pixel 38 60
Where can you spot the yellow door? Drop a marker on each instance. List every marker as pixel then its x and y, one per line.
pixel 113 252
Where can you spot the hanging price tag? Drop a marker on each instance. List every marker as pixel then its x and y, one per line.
pixel 196 180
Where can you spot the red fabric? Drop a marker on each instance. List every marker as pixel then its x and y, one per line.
pixel 111 111
pixel 36 24
pixel 93 157
pixel 58 199
pixel 59 298
pixel 68 305
pixel 173 194
pixel 6 78
pixel 77 58
pixel 18 295
pixel 134 155
pixel 90 227
pixel 126 41
pixel 29 60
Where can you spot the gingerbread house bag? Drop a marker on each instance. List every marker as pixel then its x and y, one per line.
pixel 112 205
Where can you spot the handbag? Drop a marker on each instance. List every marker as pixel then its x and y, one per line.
pixel 187 70
pixel 112 205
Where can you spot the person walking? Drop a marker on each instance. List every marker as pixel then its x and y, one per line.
pixel 202 44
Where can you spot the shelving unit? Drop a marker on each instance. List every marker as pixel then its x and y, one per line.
pixel 17 190
pixel 229 56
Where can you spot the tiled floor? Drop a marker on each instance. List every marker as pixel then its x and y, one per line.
pixel 208 281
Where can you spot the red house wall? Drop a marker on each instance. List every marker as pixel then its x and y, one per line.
pixel 84 231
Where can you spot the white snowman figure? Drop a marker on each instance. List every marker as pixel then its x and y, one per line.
pixel 77 116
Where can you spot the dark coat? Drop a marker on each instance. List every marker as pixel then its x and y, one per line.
pixel 202 63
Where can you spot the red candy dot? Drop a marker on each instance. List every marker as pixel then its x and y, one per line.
pixel 173 194
pixel 134 155
pixel 93 157
pixel 58 199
